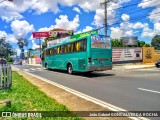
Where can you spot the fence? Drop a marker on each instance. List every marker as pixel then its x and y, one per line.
pixel 5 76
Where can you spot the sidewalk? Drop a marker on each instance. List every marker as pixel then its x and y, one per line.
pixel 117 67
pixel 120 67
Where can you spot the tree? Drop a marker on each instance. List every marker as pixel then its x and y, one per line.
pixel 6 49
pixel 146 45
pixel 117 43
pixel 21 43
pixel 141 43
pixel 156 42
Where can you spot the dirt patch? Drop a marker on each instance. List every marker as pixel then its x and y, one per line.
pixel 71 101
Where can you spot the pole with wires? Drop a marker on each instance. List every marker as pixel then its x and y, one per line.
pixel 105 15
pixel 105 4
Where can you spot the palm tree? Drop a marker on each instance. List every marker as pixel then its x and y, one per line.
pixel 21 43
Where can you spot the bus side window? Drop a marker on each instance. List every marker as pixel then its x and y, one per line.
pixel 47 52
pixel 84 45
pixel 73 47
pixel 55 50
pixel 44 53
pixel 65 48
pixel 50 52
pixel 62 49
pixel 78 46
pixel 58 50
pixel 68 48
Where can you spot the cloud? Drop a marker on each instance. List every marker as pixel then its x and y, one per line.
pixel 147 3
pixel 21 28
pixel 18 51
pixel 3 34
pixel 34 45
pixel 8 37
pixel 50 5
pixel 88 28
pixel 138 25
pixel 111 14
pixel 12 10
pixel 99 18
pixel 154 16
pixel 76 9
pixel 125 17
pixel 116 33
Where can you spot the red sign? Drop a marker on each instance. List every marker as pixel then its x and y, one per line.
pixel 41 34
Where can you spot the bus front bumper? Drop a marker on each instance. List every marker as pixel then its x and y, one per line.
pixel 100 68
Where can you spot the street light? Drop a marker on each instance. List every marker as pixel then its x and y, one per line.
pixel 6 0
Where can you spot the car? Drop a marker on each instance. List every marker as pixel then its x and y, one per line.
pixel 17 62
pixel 157 63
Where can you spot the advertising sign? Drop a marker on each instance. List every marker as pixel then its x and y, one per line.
pixel 61 33
pixel 126 54
pixel 100 41
pixel 130 41
pixel 57 41
pixel 84 34
pixel 40 34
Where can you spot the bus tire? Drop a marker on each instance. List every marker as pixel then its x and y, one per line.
pixel 70 69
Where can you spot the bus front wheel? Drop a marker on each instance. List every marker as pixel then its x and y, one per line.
pixel 70 69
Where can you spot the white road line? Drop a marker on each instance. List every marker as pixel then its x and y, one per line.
pixel 149 90
pixel 39 68
pixel 32 69
pixel 25 69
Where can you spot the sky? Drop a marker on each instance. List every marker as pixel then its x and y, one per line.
pixel 18 19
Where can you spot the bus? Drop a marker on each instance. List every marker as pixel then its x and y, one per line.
pixel 79 53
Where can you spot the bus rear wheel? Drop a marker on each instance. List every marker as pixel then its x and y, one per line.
pixel 70 69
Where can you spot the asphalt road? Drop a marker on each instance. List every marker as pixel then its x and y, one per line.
pixel 133 90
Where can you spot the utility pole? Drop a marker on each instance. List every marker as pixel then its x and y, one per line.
pixel 105 4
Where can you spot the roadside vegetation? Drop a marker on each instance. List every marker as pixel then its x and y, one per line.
pixel 26 97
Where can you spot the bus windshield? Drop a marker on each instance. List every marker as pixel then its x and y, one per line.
pixel 100 41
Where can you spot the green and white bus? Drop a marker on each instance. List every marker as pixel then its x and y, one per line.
pixel 84 52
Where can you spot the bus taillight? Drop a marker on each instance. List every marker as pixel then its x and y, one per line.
pixel 89 60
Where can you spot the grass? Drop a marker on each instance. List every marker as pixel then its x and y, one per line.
pixel 26 97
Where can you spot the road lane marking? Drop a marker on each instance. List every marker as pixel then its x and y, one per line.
pixel 149 90
pixel 39 68
pixel 84 96
pixel 32 69
pixel 25 69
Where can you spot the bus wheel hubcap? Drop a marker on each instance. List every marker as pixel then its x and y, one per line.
pixel 70 69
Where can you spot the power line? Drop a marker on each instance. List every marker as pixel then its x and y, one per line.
pixel 131 19
pixel 128 13
pixel 133 4
pixel 137 18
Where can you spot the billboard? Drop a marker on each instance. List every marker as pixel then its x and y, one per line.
pixel 126 54
pixel 129 41
pixel 40 34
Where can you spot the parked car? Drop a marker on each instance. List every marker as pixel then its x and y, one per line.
pixel 17 62
pixel 157 63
